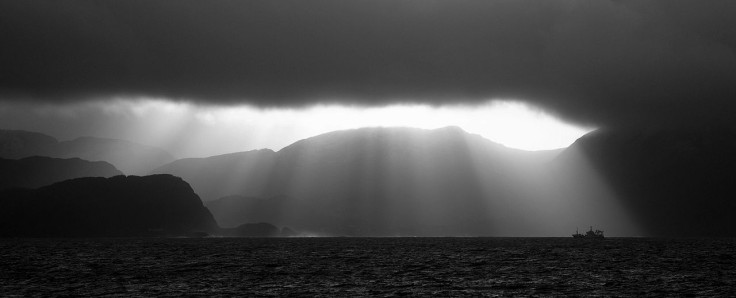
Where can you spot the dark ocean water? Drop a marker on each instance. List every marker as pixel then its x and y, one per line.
pixel 368 267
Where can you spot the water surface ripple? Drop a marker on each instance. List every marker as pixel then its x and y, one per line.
pixel 368 267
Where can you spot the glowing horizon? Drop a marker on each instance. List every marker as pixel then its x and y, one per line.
pixel 509 123
pixel 189 130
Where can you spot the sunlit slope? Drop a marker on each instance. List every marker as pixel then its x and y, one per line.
pixel 673 181
pixel 383 181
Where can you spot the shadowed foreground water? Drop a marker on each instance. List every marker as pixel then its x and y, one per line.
pixel 367 266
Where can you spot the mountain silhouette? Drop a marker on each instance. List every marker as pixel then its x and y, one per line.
pixel 36 171
pixel 668 181
pixel 129 157
pixel 117 206
pixel 223 175
pixel 16 144
pixel 375 181
pixel 675 182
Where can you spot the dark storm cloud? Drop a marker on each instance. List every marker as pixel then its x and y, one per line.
pixel 605 62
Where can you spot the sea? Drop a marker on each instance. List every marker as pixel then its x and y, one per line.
pixel 373 267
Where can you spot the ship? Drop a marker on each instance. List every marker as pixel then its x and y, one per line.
pixel 597 234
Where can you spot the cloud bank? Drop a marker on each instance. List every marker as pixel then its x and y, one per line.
pixel 593 62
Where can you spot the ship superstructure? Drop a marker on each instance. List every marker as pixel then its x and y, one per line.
pixel 597 234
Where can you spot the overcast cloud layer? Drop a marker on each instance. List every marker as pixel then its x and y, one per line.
pixel 599 62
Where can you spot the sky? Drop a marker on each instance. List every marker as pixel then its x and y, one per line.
pixel 98 67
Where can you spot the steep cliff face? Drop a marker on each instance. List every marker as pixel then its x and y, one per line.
pixel 37 171
pixel 118 206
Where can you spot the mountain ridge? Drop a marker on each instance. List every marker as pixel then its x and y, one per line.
pixel 37 171
pixel 372 181
pixel 127 156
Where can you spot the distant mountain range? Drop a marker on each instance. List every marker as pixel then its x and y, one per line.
pixel 376 181
pixel 37 171
pixel 670 182
pixel 223 175
pixel 403 181
pixel 129 157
